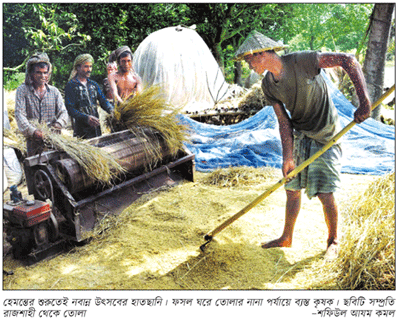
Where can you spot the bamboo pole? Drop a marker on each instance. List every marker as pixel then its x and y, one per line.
pixel 209 236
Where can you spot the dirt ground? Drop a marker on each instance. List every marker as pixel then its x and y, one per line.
pixel 154 244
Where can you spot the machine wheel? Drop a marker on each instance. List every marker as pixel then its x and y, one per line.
pixel 40 234
pixel 43 185
pixel 53 227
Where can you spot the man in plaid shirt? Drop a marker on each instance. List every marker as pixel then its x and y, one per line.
pixel 38 102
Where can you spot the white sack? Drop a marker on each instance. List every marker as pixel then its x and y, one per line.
pixel 5 183
pixel 179 60
pixel 6 121
pixel 12 166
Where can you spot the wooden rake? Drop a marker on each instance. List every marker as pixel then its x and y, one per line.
pixel 210 235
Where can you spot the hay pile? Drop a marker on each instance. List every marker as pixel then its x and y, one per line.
pixel 235 176
pixel 254 98
pixel 367 256
pixel 367 253
pixel 9 99
pixel 150 110
pixel 251 99
pixel 13 138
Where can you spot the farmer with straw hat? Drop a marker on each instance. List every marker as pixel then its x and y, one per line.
pixel 124 81
pixel 37 101
pixel 81 97
pixel 294 83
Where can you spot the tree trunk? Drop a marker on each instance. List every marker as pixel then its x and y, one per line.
pixel 238 73
pixel 216 51
pixel 374 64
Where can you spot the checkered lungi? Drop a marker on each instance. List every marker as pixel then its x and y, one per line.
pixel 322 175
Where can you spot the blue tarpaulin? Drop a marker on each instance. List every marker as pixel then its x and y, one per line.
pixel 368 148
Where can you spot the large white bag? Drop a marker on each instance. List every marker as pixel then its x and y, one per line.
pixel 12 167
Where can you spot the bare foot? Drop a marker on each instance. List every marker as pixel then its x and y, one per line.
pixel 332 251
pixel 277 243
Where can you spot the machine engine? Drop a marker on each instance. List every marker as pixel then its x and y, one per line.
pixel 30 226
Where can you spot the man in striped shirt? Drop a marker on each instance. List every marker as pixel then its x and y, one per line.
pixel 38 102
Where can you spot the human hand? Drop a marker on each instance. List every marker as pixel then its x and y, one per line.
pixel 38 135
pixel 363 111
pixel 93 121
pixel 287 167
pixel 56 128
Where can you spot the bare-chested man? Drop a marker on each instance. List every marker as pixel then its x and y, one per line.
pixel 123 80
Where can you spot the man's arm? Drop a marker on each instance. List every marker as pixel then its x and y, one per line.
pixel 286 133
pixel 61 111
pixel 114 90
pixel 352 67
pixel 21 117
pixel 104 103
pixel 139 85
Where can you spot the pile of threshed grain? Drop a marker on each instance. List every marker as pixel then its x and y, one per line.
pixel 154 244
pixel 367 248
pixel 150 110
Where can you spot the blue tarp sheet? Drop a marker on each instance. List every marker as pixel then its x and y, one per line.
pixel 368 148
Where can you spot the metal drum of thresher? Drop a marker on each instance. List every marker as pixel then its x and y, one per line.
pixel 131 152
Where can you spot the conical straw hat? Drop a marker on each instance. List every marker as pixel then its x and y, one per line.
pixel 257 42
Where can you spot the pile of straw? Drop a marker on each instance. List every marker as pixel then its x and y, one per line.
pixel 96 163
pixel 149 110
pixel 235 176
pixel 15 139
pixel 13 136
pixel 367 256
pixel 254 98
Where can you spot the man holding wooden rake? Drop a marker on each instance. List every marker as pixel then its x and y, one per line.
pixel 307 120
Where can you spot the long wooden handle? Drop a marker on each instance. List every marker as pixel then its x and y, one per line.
pixel 297 170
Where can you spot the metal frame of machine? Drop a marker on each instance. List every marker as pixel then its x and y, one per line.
pixel 75 213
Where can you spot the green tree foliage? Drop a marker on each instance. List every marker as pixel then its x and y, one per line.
pixel 334 27
pixel 65 30
pixel 38 27
pixel 29 28
pixel 112 25
pixel 223 26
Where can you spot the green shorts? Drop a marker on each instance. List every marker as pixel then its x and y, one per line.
pixel 322 175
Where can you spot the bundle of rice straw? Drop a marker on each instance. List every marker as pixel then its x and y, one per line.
pixel 96 163
pixel 150 110
pixel 367 255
